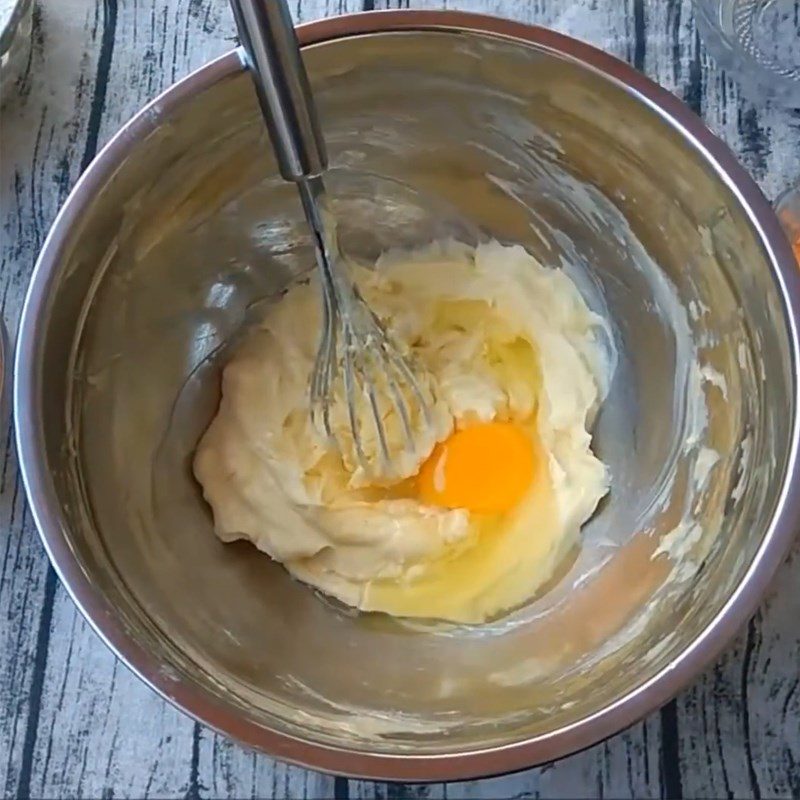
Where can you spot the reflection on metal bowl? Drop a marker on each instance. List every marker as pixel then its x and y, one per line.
pixel 438 124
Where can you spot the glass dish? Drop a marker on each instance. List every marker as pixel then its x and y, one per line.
pixel 757 42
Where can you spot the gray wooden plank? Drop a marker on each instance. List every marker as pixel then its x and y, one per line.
pixel 227 770
pixel 43 143
pixel 740 722
pixel 101 730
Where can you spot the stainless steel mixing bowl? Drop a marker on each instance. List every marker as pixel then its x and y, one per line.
pixel 438 124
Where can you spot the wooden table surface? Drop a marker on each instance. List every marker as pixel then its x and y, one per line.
pixel 73 721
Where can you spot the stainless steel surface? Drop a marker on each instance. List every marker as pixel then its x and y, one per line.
pixel 273 56
pixel 457 125
pixel 358 366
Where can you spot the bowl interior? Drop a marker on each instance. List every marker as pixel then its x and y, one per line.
pixel 430 134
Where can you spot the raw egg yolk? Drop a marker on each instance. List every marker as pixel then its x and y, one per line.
pixel 485 468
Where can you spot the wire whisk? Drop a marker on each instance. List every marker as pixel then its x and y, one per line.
pixel 366 395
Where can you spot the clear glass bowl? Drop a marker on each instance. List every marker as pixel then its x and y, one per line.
pixel 757 42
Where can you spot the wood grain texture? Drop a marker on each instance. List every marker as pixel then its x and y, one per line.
pixel 73 721
pixel 43 144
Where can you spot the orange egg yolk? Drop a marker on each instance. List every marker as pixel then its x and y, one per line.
pixel 486 468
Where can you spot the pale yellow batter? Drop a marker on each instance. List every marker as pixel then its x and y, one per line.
pixel 504 339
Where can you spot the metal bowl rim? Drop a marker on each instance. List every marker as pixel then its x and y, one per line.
pixel 197 702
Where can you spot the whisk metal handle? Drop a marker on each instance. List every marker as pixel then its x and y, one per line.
pixel 284 93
